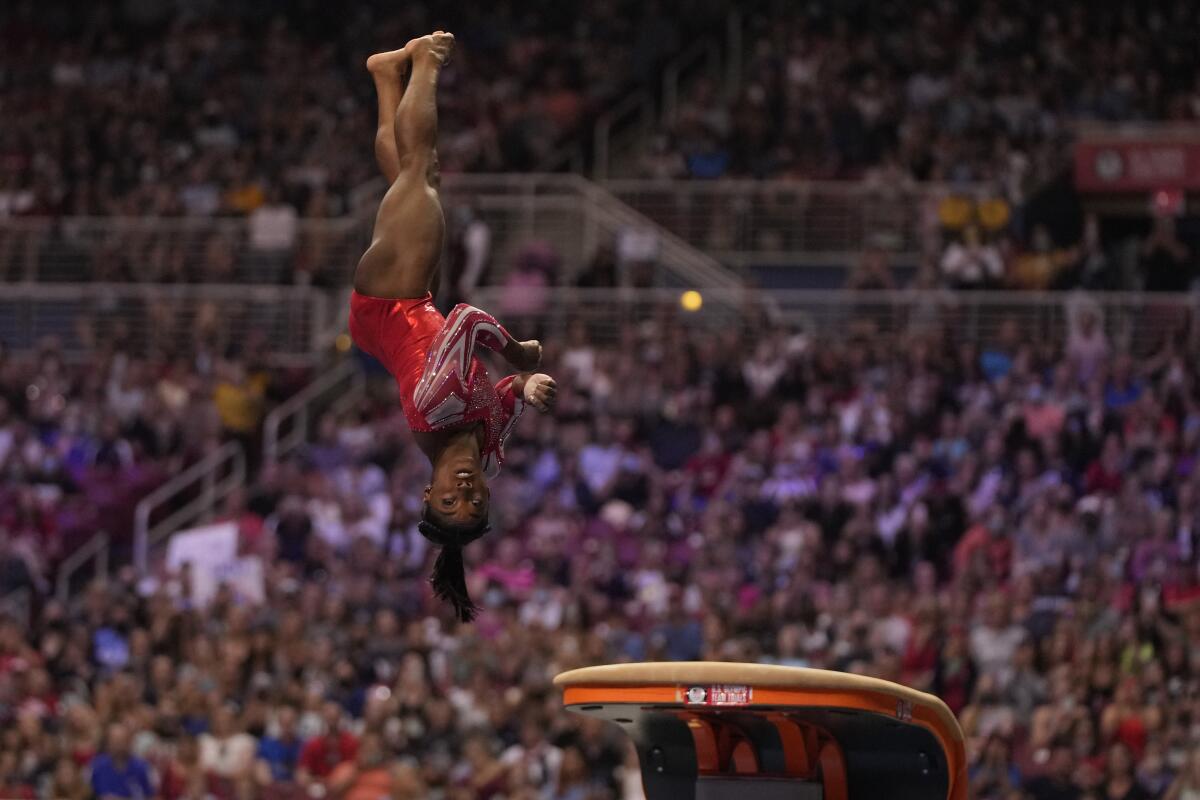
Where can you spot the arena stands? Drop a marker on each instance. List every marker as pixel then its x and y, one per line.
pixel 890 468
pixel 227 109
pixel 959 92
pixel 1011 524
pixel 987 98
pixel 80 444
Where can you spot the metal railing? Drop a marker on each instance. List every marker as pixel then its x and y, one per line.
pixel 738 222
pixel 566 211
pixel 620 130
pixel 684 264
pixel 790 222
pixel 288 426
pixel 568 158
pixel 704 54
pixel 293 322
pixel 634 116
pixel 1136 321
pixel 175 249
pixel 190 497
pixel 573 215
pixel 97 549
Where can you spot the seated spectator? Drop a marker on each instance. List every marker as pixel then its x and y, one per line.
pixel 872 271
pixel 68 781
pixel 972 263
pixel 1166 261
pixel 273 231
pixel 1187 784
pixel 279 750
pixel 1042 266
pixel 183 776
pixel 1087 344
pixel 226 753
pixel 322 753
pixel 366 776
pixel 116 772
pixel 1056 784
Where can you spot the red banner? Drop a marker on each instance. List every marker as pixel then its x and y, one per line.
pixel 1131 165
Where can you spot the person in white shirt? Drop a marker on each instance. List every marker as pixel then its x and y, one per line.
pixel 535 759
pixel 273 225
pixel 972 264
pixel 1087 344
pixel 994 643
pixel 226 751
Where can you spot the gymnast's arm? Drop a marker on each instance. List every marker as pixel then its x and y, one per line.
pixel 483 329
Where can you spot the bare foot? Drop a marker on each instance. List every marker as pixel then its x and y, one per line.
pixel 436 46
pixel 394 61
pixel 525 356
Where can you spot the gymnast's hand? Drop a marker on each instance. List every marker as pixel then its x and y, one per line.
pixel 539 390
pixel 525 356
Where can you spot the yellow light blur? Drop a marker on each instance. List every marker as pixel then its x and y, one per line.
pixel 691 300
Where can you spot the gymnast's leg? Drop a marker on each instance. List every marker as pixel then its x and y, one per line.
pixel 402 260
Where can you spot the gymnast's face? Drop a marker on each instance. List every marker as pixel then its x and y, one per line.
pixel 459 492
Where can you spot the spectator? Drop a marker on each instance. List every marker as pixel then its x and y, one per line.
pixel 240 398
pixel 872 272
pixel 1087 346
pixel 183 775
pixel 1187 784
pixel 273 230
pixel 1056 784
pixel 1042 267
pixel 1165 259
pixel 279 750
pixel 367 776
pixel 995 776
pixel 524 290
pixel 572 783
pixel 482 773
pixel 68 782
pixel 601 273
pixel 533 759
pixel 972 263
pixel 1120 783
pixel 322 753
pixel 226 753
pixel 116 772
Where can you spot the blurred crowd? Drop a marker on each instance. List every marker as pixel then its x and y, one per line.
pixel 167 108
pixel 1011 523
pixel 251 115
pixel 986 97
pixel 82 443
pixel 948 92
pixel 264 112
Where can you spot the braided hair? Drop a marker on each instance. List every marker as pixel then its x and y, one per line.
pixel 449 578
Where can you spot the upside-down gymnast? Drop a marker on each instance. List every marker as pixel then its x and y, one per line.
pixel 458 418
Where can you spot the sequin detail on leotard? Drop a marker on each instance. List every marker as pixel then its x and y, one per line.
pixel 455 389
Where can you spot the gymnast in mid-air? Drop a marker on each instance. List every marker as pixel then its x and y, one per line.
pixel 458 418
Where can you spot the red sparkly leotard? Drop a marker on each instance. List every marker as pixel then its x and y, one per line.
pixel 443 384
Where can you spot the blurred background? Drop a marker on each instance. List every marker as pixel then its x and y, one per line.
pixel 876 330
